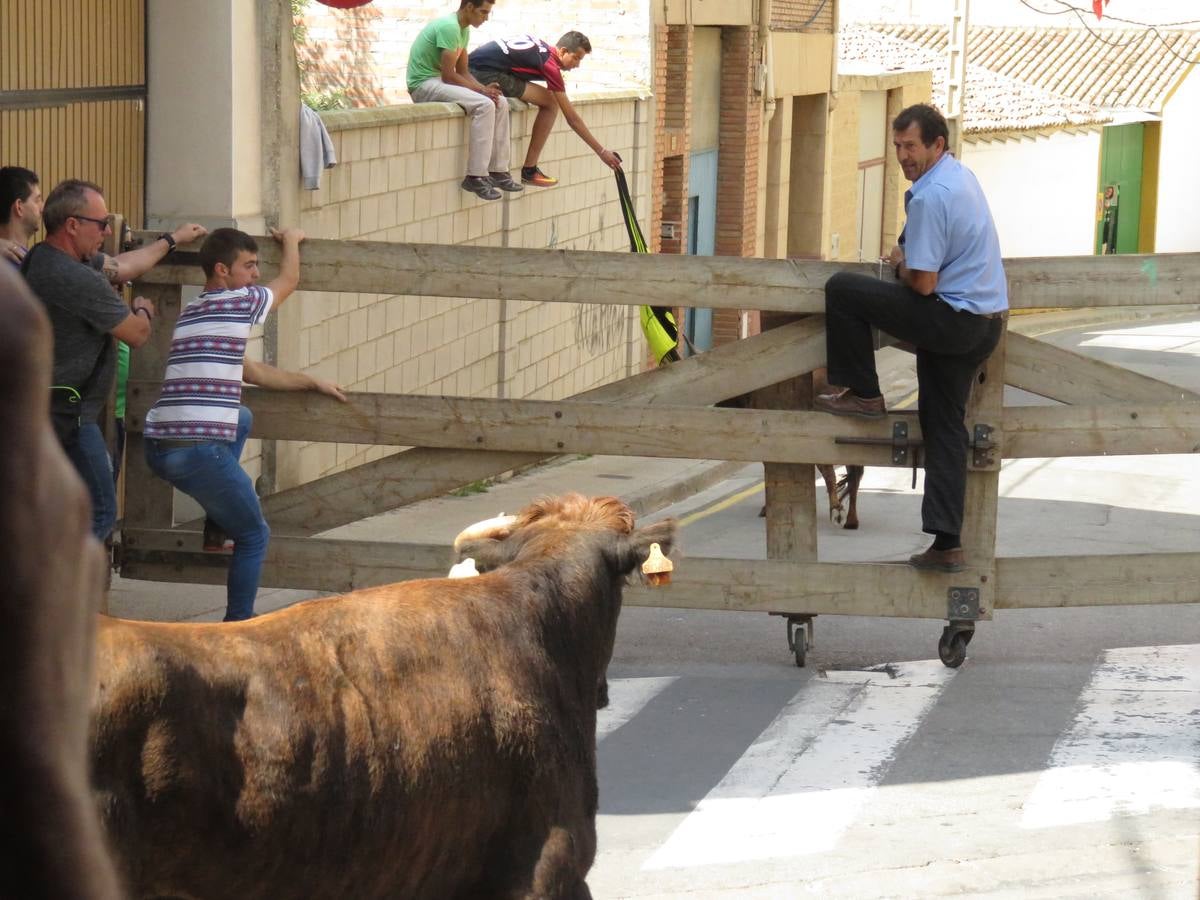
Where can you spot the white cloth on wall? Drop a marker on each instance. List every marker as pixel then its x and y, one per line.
pixel 316 148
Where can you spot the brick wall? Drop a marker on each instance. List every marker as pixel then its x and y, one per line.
pixel 364 51
pixel 673 87
pixel 397 179
pixel 737 161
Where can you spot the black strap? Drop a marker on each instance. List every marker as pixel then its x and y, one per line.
pixel 98 365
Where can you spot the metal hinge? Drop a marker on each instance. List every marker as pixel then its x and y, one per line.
pixel 983 448
pixel 962 603
pixel 899 442
pixel 904 449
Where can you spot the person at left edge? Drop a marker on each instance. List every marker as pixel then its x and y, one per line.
pixel 73 278
pixel 20 211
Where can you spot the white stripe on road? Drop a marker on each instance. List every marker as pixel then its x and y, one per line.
pixel 626 697
pixel 1134 746
pixel 803 782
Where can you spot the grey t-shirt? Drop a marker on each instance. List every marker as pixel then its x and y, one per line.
pixel 83 309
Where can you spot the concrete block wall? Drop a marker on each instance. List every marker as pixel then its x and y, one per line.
pixel 397 179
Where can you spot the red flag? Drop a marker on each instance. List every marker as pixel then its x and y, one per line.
pixel 1098 7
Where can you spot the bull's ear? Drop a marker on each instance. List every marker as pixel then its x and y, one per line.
pixel 629 551
pixel 487 554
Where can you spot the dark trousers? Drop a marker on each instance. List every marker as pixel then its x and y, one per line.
pixel 950 347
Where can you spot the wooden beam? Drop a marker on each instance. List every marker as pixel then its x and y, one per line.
pixel 311 564
pixel 1070 377
pixel 1159 279
pixel 319 564
pixel 148 500
pixel 718 282
pixel 402 478
pixel 985 405
pixel 572 426
pixel 556 276
pixel 1110 430
pixel 542 427
pixel 1040 582
pixel 857 589
pixel 850 589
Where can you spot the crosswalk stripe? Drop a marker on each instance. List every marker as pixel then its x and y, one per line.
pixel 1133 746
pixel 804 780
pixel 626 697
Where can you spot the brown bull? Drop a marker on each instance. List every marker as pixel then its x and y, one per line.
pixel 424 739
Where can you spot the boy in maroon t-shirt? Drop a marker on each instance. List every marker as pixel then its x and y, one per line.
pixel 513 64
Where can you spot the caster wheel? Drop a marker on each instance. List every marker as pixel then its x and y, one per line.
pixel 797 638
pixel 952 648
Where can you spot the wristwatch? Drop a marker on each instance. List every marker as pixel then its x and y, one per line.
pixel 169 238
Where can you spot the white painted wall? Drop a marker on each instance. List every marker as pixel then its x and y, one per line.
pixel 1178 176
pixel 1042 191
pixel 203 128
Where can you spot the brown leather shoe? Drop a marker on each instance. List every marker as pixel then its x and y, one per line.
pixel 847 403
pixel 939 560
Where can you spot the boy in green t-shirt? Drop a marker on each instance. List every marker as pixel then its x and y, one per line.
pixel 437 73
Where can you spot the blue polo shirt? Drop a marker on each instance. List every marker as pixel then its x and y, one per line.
pixel 949 230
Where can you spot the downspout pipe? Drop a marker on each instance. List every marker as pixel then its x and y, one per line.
pixel 833 69
pixel 764 49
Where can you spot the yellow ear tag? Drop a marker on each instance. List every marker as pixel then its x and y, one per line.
pixel 657 568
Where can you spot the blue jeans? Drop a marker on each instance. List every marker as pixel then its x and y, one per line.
pixel 89 455
pixel 210 473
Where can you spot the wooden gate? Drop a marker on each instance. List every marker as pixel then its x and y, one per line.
pixel 457 440
pixel 72 94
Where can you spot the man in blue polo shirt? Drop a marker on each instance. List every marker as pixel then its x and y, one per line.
pixel 949 301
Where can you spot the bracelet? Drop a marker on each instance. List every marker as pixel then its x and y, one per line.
pixel 142 309
pixel 169 238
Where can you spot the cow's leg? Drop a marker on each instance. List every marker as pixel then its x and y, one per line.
pixel 558 873
pixel 836 510
pixel 848 491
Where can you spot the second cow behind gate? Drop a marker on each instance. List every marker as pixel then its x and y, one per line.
pixel 428 739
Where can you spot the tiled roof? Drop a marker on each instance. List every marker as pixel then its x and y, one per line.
pixel 993 103
pixel 1112 68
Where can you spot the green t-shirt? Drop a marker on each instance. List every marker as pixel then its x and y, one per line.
pixel 425 57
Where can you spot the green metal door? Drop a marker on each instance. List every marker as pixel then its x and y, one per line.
pixel 1119 200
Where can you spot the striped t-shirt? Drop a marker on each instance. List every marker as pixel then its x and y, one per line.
pixel 202 387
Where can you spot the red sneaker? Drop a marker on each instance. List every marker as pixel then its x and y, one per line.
pixel 535 176
pixel 215 540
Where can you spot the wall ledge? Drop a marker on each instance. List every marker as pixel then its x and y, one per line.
pixel 403 113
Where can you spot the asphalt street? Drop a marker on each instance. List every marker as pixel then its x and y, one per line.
pixel 1061 760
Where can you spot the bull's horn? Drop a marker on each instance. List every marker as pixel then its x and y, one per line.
pixel 464 569
pixel 495 528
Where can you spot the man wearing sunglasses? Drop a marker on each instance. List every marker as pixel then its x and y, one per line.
pixel 74 279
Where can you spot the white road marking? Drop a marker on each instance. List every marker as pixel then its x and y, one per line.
pixel 626 697
pixel 1134 746
pixel 805 779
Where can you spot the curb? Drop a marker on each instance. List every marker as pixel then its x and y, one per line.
pixel 1035 324
pixel 651 500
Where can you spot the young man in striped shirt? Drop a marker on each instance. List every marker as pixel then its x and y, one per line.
pixel 197 428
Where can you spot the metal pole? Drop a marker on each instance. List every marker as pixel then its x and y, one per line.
pixel 956 76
